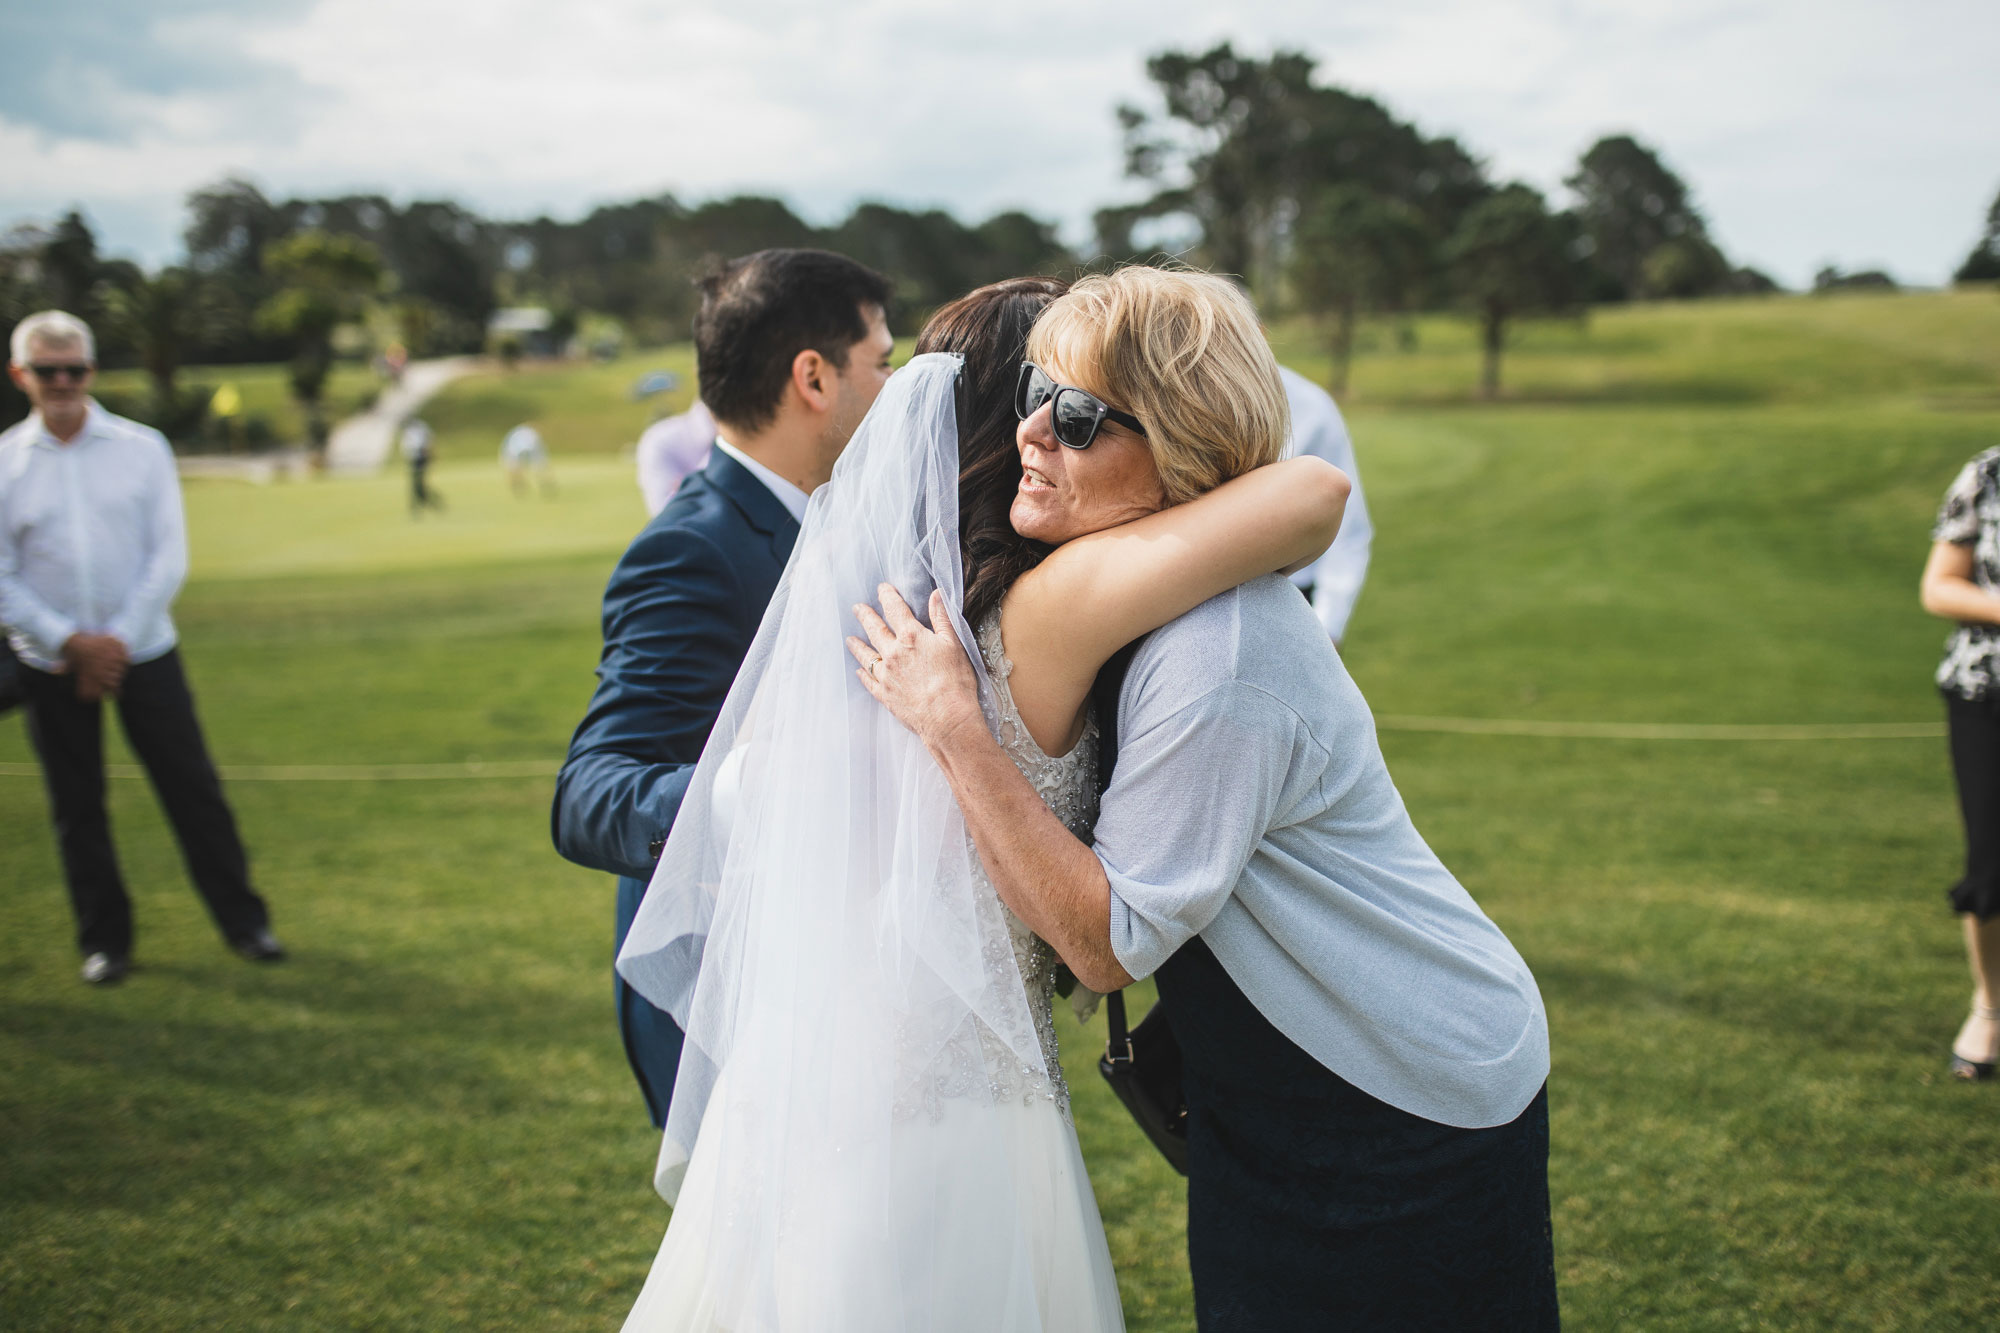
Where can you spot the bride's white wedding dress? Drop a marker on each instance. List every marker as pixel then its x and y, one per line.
pixel 870 1131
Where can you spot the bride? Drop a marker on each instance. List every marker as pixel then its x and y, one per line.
pixel 870 1128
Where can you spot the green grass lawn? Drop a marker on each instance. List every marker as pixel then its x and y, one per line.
pixel 423 1121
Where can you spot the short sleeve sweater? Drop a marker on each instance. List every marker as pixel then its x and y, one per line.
pixel 1970 516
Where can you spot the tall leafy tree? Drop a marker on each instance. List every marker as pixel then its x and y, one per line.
pixel 22 292
pixel 1243 145
pixel 1014 245
pixel 1983 264
pixel 743 223
pixel 1114 226
pixel 929 256
pixel 637 261
pixel 161 317
pixel 1509 258
pixel 1235 130
pixel 324 281
pixel 621 259
pixel 932 257
pixel 1357 252
pixel 448 258
pixel 1687 266
pixel 1630 204
pixel 230 225
pixel 70 265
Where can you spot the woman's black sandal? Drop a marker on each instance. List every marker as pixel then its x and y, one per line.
pixel 1975 1071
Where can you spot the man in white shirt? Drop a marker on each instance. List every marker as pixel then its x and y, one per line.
pixel 92 550
pixel 1333 582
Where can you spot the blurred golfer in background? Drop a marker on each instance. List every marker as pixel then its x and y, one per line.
pixel 417 443
pixel 92 551
pixel 524 455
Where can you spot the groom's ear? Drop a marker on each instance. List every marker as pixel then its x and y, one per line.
pixel 812 378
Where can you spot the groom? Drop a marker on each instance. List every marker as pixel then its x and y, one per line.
pixel 791 348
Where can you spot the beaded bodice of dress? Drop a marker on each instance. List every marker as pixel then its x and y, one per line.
pixel 1067 784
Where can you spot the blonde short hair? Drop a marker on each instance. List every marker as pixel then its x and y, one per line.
pixel 56 328
pixel 1182 351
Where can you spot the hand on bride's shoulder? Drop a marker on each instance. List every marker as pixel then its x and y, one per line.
pixel 919 673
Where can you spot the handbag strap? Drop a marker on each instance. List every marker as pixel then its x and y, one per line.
pixel 1104 692
pixel 1117 1041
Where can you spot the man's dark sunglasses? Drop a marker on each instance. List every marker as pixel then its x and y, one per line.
pixel 48 374
pixel 1077 414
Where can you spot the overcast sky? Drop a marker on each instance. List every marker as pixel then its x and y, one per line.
pixel 1858 132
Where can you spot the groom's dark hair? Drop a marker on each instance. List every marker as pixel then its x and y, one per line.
pixel 760 311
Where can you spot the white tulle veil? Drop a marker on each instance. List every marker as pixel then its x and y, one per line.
pixel 816 924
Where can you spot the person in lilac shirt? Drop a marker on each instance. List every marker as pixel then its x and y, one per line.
pixel 672 450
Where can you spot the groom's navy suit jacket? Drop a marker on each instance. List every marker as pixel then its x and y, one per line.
pixel 679 614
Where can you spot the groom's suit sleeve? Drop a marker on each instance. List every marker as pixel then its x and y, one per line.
pixel 673 638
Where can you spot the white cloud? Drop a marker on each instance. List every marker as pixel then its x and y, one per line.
pixel 1860 133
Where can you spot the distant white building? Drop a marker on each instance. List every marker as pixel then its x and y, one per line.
pixel 527 326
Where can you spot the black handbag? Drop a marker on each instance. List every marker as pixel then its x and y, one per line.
pixel 1143 1066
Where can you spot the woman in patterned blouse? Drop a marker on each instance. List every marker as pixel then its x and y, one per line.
pixel 1962 583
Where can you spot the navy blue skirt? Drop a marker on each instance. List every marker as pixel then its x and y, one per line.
pixel 1314 1206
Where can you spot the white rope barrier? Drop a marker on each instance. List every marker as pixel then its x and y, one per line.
pixel 1451 726
pixel 1666 731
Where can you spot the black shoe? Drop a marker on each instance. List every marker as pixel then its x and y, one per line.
pixel 105 969
pixel 262 947
pixel 1970 1071
pixel 1966 1069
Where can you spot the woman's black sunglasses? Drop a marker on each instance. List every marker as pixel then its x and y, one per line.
pixel 1077 414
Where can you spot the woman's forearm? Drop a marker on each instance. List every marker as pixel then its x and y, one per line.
pixel 1050 879
pixel 1094 595
pixel 1960 599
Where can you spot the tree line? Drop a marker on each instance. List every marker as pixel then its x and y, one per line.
pixel 275 280
pixel 1329 204
pixel 1323 200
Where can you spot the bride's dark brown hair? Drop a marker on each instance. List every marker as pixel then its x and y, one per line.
pixel 989 328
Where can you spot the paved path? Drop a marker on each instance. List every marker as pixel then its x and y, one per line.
pixel 363 443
